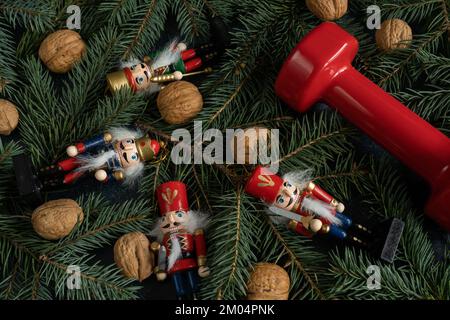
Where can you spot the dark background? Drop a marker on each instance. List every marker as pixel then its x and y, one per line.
pixel 153 289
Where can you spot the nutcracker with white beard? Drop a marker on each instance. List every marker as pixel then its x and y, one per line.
pixel 302 205
pixel 116 155
pixel 180 244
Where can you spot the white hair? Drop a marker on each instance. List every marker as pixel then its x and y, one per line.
pixel 169 55
pixel 299 178
pixel 322 209
pixel 90 163
pixel 121 133
pixel 129 63
pixel 175 253
pixel 133 173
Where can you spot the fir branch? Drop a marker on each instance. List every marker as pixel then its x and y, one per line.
pixel 34 15
pixel 191 19
pixel 232 245
pixel 97 282
pixel 296 260
pixel 102 224
pixel 6 168
pixel 45 263
pixel 8 72
pixel 430 104
pixel 309 144
pixel 141 37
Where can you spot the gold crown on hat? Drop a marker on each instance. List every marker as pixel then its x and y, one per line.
pixel 144 148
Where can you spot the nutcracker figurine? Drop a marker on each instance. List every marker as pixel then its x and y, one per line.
pixel 174 62
pixel 117 155
pixel 180 241
pixel 307 209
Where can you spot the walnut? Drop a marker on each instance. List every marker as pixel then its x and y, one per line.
pixel 246 145
pixel 268 282
pixel 132 254
pixel 9 117
pixel 179 102
pixel 56 219
pixel 393 34
pixel 61 50
pixel 328 9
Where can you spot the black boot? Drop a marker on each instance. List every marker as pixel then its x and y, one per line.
pixel 28 183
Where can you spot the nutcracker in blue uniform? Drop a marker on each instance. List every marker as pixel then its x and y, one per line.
pixel 180 244
pixel 118 154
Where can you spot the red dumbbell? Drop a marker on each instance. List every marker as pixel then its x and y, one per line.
pixel 319 68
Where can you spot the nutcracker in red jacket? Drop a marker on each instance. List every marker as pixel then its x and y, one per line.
pixel 295 199
pixel 180 240
pixel 118 154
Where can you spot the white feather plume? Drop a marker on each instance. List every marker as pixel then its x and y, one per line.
pixel 133 173
pixel 299 178
pixel 321 209
pixel 198 220
pixel 129 63
pixel 169 55
pixel 90 162
pixel 121 133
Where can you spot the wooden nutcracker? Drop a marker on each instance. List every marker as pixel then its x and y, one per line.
pixel 308 210
pixel 174 62
pixel 117 155
pixel 180 244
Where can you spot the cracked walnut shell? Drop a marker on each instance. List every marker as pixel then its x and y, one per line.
pixel 393 34
pixel 61 50
pixel 268 281
pixel 328 10
pixel 132 254
pixel 56 219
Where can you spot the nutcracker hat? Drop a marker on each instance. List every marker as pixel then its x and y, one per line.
pixel 172 196
pixel 147 148
pixel 264 184
pixel 120 79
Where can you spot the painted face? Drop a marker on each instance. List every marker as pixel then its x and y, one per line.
pixel 127 152
pixel 287 196
pixel 174 221
pixel 141 74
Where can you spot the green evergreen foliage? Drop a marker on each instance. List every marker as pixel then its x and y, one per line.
pixel 56 111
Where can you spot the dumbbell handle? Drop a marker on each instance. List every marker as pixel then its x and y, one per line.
pixel 407 136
